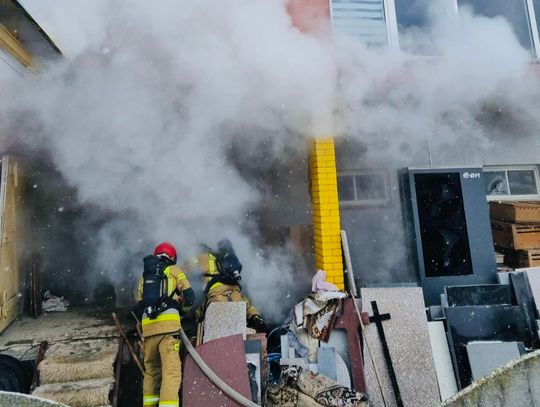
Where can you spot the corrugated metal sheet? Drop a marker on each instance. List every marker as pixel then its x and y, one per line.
pixel 361 18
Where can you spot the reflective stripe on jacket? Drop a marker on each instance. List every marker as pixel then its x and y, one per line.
pixel 207 263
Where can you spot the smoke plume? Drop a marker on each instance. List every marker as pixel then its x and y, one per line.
pixel 140 117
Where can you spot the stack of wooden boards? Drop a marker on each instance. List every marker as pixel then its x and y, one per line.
pixel 516 232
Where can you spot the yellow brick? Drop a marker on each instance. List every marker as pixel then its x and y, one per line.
pixel 321 175
pixel 335 212
pixel 328 229
pixel 331 206
pixel 320 239
pixel 321 199
pixel 332 271
pixel 324 188
pixel 320 212
pixel 328 244
pixel 332 259
pixel 325 181
pixel 330 171
pixel 336 252
pixel 326 219
pixel 333 198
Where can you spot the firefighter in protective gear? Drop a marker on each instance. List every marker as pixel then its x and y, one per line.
pixel 220 289
pixel 162 377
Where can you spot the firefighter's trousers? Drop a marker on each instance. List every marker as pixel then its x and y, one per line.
pixel 230 293
pixel 162 376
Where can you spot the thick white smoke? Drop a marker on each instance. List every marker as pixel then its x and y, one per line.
pixel 141 114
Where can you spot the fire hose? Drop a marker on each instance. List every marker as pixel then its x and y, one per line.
pixel 214 378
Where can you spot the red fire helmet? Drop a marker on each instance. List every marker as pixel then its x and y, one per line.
pixel 167 250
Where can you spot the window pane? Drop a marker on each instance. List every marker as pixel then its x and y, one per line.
pixel 514 11
pixel 413 25
pixel 496 183
pixel 370 186
pixel 522 182
pixel 361 18
pixel 345 187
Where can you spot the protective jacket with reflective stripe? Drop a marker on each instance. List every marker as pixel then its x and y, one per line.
pixel 167 321
pixel 207 263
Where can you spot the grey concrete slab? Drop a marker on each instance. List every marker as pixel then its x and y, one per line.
pixel 533 278
pixel 224 319
pixel 24 400
pixel 436 312
pixel 409 345
pixel 443 362
pixel 480 294
pixel 284 341
pixel 484 357
pixel 503 278
pixel 254 359
pixel 326 359
pixel 343 375
pixel 515 384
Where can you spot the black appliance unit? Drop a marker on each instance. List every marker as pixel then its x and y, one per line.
pixel 447 220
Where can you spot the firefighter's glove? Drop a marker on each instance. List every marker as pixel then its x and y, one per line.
pixel 257 322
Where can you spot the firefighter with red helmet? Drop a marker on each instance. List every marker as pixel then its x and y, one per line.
pixel 164 294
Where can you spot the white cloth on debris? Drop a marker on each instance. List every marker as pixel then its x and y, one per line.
pixel 319 283
pixel 52 303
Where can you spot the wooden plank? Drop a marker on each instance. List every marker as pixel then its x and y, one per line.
pixel 118 372
pixel 10 198
pixel 515 236
pixel 13 46
pixel 40 356
pixel 515 211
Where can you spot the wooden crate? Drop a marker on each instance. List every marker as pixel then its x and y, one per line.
pixel 515 236
pixel 515 212
pixel 523 258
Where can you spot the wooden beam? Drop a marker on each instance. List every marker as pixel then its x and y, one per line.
pixel 13 46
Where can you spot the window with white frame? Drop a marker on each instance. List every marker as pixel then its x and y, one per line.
pixel 512 182
pixel 405 24
pixel 363 187
pixel 516 12
pixel 364 19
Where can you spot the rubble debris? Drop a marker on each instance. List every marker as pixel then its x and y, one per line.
pixel 299 387
pixel 52 303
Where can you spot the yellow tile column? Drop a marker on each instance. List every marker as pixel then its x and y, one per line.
pixel 326 221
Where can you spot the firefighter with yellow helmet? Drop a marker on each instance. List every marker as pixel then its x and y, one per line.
pixel 164 294
pixel 221 270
